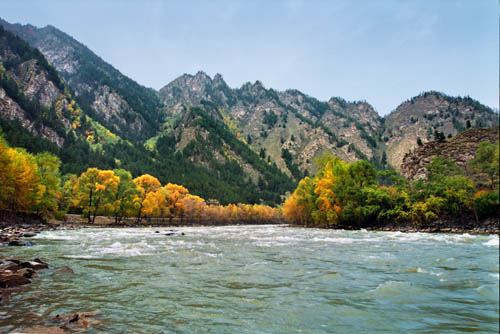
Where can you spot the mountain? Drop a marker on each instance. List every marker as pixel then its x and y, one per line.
pixel 292 128
pixel 119 103
pixel 423 115
pixel 249 144
pixel 288 128
pixel 38 112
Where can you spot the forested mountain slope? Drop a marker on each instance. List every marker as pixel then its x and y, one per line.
pixel 116 101
pixel 288 128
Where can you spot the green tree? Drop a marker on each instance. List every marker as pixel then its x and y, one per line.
pixel 487 162
pixel 48 168
pixel 125 203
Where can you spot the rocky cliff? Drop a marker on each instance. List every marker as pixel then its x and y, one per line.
pixel 30 91
pixel 461 149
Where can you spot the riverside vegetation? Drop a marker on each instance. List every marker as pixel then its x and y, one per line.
pixel 356 195
pixel 340 194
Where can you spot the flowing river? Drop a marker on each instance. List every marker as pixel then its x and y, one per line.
pixel 262 279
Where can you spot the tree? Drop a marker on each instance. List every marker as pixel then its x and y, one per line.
pixel 48 168
pixel 6 177
pixel 20 185
pixel 487 162
pixel 174 199
pixel 145 184
pixel 441 167
pixel 419 142
pixel 125 203
pixel 94 191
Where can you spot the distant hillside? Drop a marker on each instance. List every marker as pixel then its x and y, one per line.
pixel 423 115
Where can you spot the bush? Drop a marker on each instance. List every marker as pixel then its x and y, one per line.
pixel 486 203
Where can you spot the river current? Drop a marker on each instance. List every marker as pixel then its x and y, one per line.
pixel 262 279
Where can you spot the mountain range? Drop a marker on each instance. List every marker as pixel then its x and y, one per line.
pixel 249 144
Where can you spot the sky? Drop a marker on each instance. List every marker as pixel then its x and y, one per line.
pixel 381 51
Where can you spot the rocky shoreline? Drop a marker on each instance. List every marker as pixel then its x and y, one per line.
pixel 452 225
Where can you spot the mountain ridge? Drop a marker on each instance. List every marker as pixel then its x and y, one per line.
pixel 287 129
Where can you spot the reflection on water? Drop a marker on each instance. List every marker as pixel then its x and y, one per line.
pixel 263 279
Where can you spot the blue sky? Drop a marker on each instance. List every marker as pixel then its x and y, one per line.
pixel 381 51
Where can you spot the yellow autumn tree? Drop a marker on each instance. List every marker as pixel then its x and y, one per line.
pixel 22 187
pixel 174 198
pixel 145 184
pixel 94 192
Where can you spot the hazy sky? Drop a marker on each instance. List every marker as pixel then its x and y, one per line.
pixel 382 51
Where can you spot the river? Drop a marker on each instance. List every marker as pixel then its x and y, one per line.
pixel 262 279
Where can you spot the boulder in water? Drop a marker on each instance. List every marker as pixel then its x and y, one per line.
pixel 13 280
pixel 17 242
pixel 27 272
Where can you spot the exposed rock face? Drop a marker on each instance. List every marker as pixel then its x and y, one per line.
pixel 274 121
pixel 32 78
pixel 112 107
pixel 35 83
pixel 424 114
pixel 461 149
pixel 9 109
pixel 113 99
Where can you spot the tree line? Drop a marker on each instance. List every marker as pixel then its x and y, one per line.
pixel 31 183
pixel 354 194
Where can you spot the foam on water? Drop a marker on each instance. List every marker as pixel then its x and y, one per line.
pixel 269 279
pixel 493 242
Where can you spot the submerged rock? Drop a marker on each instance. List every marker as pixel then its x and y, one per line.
pixel 174 233
pixel 34 265
pixel 65 270
pixel 77 320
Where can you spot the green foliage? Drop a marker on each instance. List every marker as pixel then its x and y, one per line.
pixel 487 204
pixel 487 162
pixel 292 167
pixel 355 195
pixel 270 118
